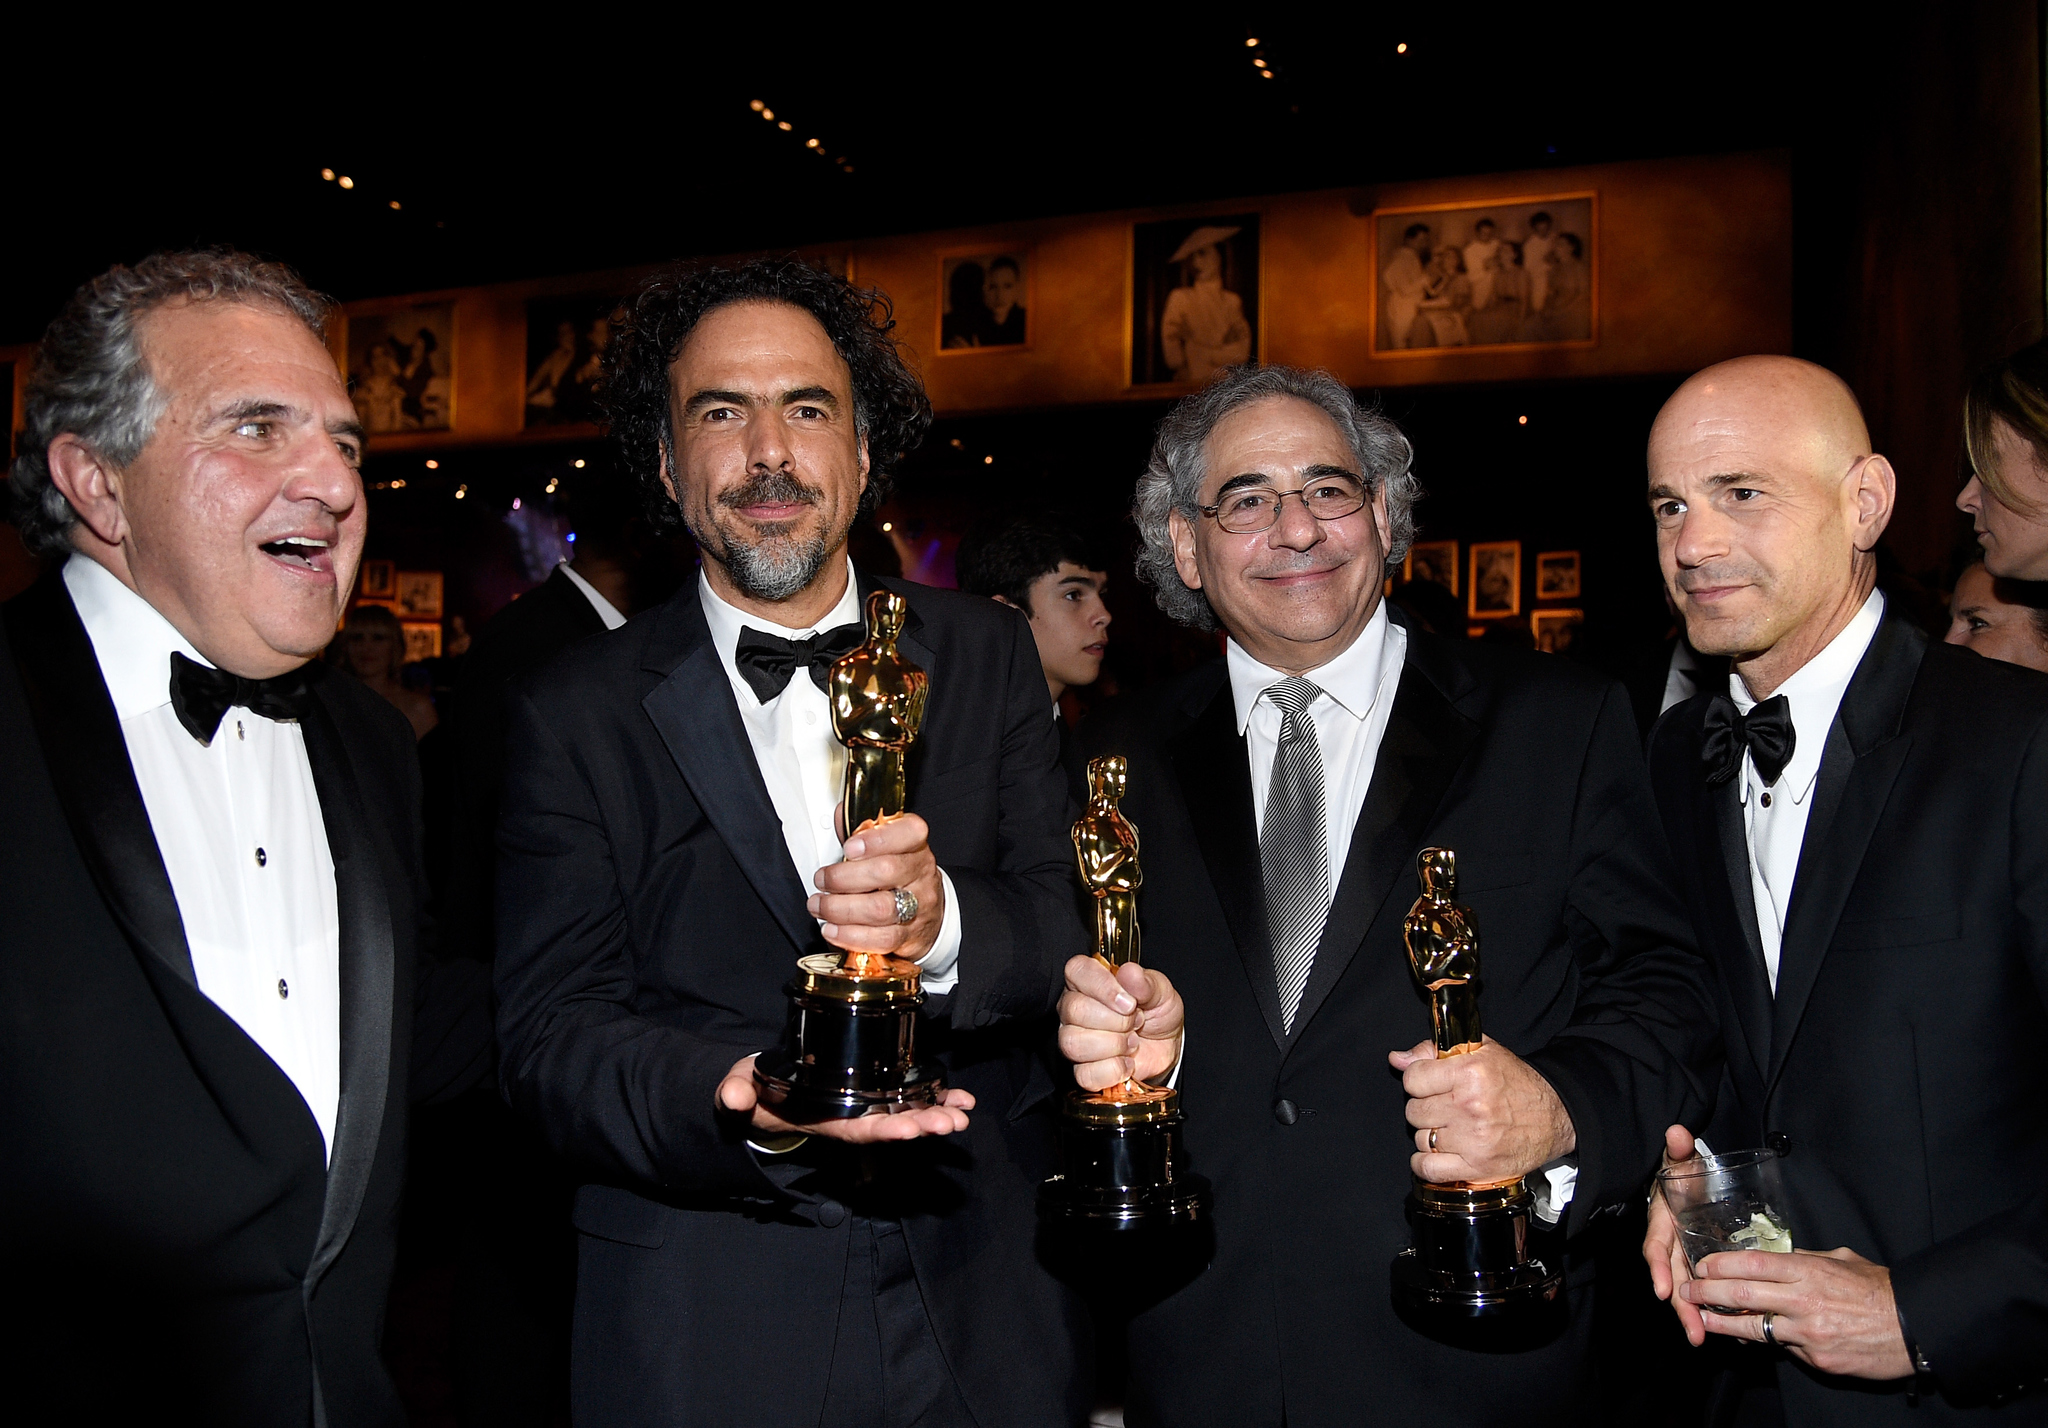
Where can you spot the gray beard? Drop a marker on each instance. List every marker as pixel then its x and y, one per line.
pixel 776 569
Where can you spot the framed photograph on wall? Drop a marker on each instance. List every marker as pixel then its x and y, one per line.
pixel 1433 560
pixel 1555 630
pixel 419 594
pixel 1194 298
pixel 422 639
pixel 985 300
pixel 565 342
pixel 401 368
pixel 1557 575
pixel 1495 588
pixel 379 580
pixel 1519 273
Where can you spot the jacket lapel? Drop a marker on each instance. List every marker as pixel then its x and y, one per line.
pixel 694 712
pixel 1865 752
pixel 1214 772
pixel 87 757
pixel 368 973
pixel 1425 742
pixel 1749 985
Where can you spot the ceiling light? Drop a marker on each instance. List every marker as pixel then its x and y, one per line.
pixel 888 526
pixel 1252 43
pixel 1401 49
pixel 578 463
pixel 433 465
pixel 757 106
pixel 1521 421
pixel 327 174
pixel 398 485
pixel 988 461
pixel 782 124
pixel 347 182
pixel 768 114
pixel 461 491
pixel 810 143
pixel 553 481
pixel 515 503
pixel 1265 74
pixel 394 205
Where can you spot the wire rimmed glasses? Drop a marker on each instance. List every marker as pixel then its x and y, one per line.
pixel 1250 509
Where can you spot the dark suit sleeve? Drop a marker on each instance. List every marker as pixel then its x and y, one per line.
pixel 605 1084
pixel 1017 921
pixel 1977 1302
pixel 1642 1049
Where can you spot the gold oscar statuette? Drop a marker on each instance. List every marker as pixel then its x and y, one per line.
pixel 1470 1257
pixel 849 1048
pixel 1120 1152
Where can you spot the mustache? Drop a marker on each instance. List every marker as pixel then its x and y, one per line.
pixel 1727 572
pixel 770 487
pixel 1301 562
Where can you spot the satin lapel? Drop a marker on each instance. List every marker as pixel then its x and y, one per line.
pixel 368 974
pixel 87 758
pixel 693 711
pixel 1425 743
pixel 1749 984
pixel 1864 754
pixel 1214 771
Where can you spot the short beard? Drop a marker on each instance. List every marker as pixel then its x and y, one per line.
pixel 778 566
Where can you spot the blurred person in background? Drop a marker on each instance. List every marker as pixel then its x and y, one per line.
pixel 373 650
pixel 2005 431
pixel 2000 619
pixel 1049 570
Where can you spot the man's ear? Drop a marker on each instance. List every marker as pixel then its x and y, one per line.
pixel 668 470
pixel 1183 535
pixel 91 486
pixel 1875 490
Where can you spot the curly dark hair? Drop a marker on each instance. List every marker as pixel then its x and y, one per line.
pixel 890 409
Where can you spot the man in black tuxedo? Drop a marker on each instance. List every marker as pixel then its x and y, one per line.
pixel 212 909
pixel 1283 794
pixel 1861 821
pixel 668 849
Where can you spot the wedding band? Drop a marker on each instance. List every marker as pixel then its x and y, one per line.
pixel 1432 1140
pixel 906 905
pixel 1769 1337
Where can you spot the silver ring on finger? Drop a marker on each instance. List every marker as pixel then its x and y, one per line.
pixel 1770 1336
pixel 906 905
pixel 1432 1140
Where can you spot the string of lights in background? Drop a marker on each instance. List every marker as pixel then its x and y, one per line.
pixel 347 181
pixel 814 145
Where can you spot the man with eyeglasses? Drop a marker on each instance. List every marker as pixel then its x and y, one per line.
pixel 1284 792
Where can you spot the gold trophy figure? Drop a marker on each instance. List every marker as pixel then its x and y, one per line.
pixel 849 1046
pixel 1120 1150
pixel 1470 1258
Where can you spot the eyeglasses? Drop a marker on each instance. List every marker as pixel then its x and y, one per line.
pixel 1257 508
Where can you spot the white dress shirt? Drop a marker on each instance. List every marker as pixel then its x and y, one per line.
pixel 1350 721
pixel 238 824
pixel 606 610
pixel 1774 815
pixel 804 766
pixel 1681 675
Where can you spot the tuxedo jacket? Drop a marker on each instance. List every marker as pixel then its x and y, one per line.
pixel 176 1247
pixel 1903 1064
pixel 521 638
pixel 1529 769
pixel 648 919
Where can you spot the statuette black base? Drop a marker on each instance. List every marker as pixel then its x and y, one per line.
pixel 1470 1259
pixel 1120 1166
pixel 849 1046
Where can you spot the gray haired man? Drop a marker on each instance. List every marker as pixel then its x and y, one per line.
pixel 210 897
pixel 1284 792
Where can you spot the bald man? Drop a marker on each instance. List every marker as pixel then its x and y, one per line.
pixel 1861 823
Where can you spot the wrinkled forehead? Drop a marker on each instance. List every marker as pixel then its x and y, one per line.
pixel 1277 437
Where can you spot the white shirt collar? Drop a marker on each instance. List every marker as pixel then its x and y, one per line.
pixel 1815 693
pixel 132 641
pixel 725 620
pixel 606 610
pixel 1352 679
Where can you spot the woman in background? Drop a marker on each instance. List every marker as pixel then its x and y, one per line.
pixel 2000 619
pixel 2005 429
pixel 373 650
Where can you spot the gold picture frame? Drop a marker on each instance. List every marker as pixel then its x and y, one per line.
pixel 1554 630
pixel 1433 560
pixel 1433 313
pixel 967 324
pixel 1557 575
pixel 1494 584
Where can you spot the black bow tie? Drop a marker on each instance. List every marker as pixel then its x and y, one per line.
pixel 202 695
pixel 1766 731
pixel 768 661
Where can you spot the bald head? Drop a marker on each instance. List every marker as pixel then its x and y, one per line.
pixel 1768 503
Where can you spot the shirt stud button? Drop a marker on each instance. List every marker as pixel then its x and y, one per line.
pixel 238 730
pixel 283 991
pixel 262 858
pixel 1767 800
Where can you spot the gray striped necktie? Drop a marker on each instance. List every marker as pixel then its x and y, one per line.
pixel 1293 854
